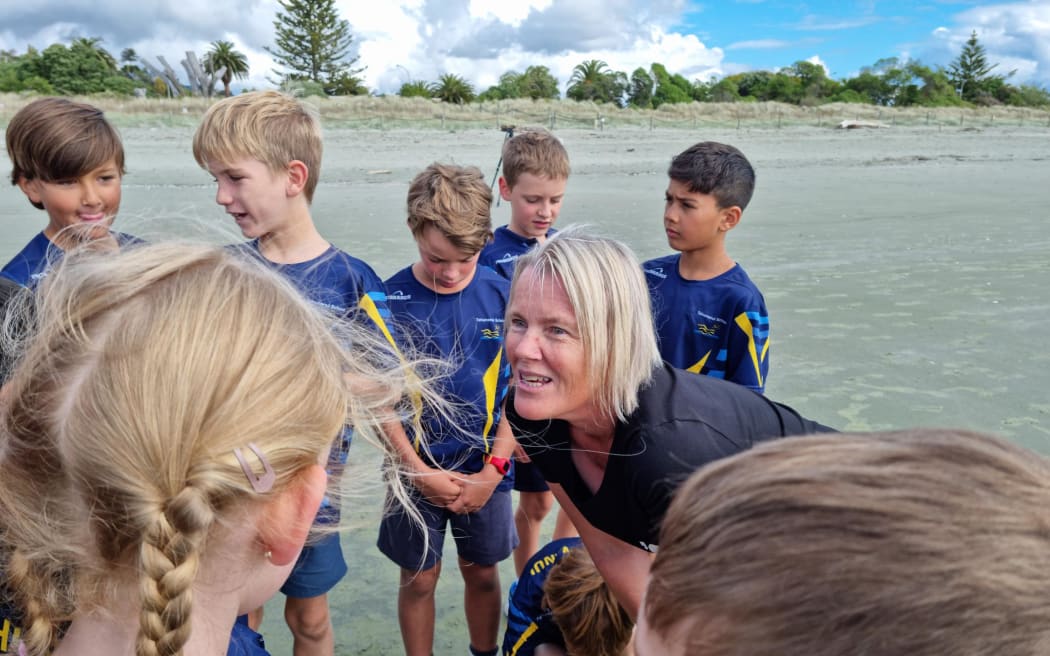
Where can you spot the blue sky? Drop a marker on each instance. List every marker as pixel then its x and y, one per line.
pixel 400 40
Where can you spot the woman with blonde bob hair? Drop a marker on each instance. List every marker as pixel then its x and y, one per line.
pixel 162 443
pixel 923 542
pixel 612 429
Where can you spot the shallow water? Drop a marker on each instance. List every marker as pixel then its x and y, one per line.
pixel 905 270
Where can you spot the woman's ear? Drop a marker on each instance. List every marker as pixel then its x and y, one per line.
pixel 286 521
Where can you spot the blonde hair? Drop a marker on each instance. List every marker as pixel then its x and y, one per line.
pixel 535 151
pixel 55 138
pixel 269 126
pixel 148 370
pixel 607 290
pixel 922 542
pixel 590 619
pixel 455 200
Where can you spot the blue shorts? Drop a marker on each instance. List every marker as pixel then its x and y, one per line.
pixel 319 568
pixel 527 478
pixel 485 537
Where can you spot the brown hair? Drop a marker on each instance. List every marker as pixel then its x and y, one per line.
pixel 269 126
pixel 922 542
pixel 454 199
pixel 591 620
pixel 54 139
pixel 535 151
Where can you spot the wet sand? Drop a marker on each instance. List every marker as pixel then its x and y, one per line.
pixel 905 270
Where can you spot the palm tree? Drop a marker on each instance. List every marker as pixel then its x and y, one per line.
pixel 452 89
pixel 93 45
pixel 586 81
pixel 222 54
pixel 414 89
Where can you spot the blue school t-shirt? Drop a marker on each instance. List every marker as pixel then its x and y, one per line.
pixel 35 260
pixel 349 287
pixel 244 641
pixel 506 247
pixel 717 327
pixel 529 624
pixel 337 281
pixel 465 329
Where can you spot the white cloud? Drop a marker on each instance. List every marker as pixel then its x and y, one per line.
pixel 483 39
pixel 759 44
pixel 1015 35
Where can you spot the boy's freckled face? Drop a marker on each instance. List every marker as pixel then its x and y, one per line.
pixel 692 221
pixel 442 267
pixel 252 194
pixel 92 198
pixel 535 202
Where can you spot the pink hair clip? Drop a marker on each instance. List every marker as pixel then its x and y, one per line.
pixel 260 484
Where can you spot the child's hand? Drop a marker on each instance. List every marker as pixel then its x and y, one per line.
pixel 477 488
pixel 439 487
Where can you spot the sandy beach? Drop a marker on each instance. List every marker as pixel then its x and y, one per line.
pixel 905 270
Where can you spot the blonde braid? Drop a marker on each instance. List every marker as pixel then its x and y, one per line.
pixel 31 587
pixel 170 556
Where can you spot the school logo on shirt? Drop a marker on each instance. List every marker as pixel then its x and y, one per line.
pixel 657 271
pixel 706 330
pixel 398 296
pixel 490 332
pixel 708 326
pixel 506 257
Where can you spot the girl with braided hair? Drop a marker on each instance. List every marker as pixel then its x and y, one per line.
pixel 162 444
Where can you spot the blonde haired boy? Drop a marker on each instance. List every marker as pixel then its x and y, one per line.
pixel 535 172
pixel 264 150
pixel 452 309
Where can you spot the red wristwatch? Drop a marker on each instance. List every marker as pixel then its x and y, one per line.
pixel 502 465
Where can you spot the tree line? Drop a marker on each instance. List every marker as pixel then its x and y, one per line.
pixel 312 46
pixel 970 79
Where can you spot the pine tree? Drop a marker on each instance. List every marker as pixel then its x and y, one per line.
pixel 970 73
pixel 312 42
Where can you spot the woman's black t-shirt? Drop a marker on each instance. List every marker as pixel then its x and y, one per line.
pixel 683 422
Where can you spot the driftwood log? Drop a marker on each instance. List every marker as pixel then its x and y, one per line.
pixel 201 82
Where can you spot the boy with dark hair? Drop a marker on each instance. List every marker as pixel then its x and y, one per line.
pixel 535 172
pixel 452 309
pixel 710 318
pixel 264 150
pixel 68 160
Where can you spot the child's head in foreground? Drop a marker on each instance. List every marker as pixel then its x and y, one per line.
pixel 264 150
pixel 922 542
pixel 449 214
pixel 68 160
pixel 709 187
pixel 591 621
pixel 162 442
pixel 535 171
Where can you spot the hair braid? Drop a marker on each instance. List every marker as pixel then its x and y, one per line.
pixel 31 585
pixel 170 555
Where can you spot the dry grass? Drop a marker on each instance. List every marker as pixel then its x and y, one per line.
pixel 392 112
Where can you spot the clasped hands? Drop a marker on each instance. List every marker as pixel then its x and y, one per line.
pixel 456 492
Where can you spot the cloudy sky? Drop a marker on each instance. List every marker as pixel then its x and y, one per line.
pixel 400 40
